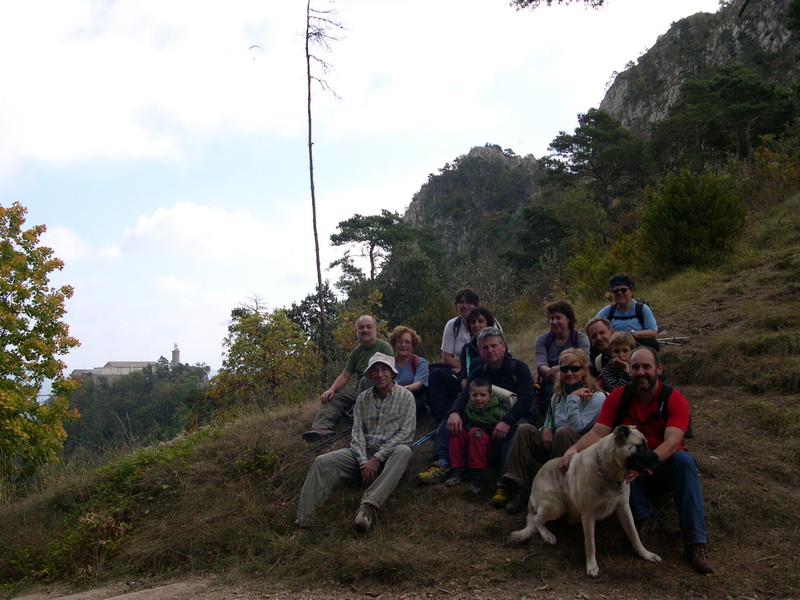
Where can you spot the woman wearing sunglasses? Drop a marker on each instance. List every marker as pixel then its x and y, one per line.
pixel 572 411
pixel 626 313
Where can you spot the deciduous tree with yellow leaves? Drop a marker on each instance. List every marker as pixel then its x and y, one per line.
pixel 268 361
pixel 33 336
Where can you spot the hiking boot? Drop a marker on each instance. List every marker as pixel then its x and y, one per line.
pixel 365 516
pixel 697 556
pixel 435 474
pixel 500 498
pixel 477 482
pixel 516 500
pixel 646 526
pixel 317 435
pixel 456 477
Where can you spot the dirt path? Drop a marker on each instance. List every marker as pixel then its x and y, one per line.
pixel 195 589
pixel 216 589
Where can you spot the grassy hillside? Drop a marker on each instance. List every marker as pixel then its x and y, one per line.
pixel 223 499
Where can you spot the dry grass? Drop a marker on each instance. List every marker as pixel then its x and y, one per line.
pixel 229 504
pixel 225 499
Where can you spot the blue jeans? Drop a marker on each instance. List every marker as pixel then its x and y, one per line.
pixel 440 450
pixel 678 475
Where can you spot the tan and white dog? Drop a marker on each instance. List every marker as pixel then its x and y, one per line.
pixel 593 487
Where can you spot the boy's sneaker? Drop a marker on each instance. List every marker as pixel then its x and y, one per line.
pixel 365 516
pixel 477 482
pixel 435 474
pixel 698 557
pixel 456 477
pixel 500 498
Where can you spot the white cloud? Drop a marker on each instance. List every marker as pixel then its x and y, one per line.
pixel 174 284
pixel 69 247
pixel 210 233
pixel 141 79
pixel 134 80
pixel 66 243
pixel 109 252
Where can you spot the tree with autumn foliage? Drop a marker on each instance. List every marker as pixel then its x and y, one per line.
pixel 267 361
pixel 33 336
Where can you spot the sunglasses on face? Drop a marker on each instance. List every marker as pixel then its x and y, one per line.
pixel 620 290
pixel 573 368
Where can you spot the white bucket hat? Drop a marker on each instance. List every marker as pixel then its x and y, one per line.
pixel 380 357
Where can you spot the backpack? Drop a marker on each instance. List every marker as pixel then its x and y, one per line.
pixel 456 327
pixel 413 364
pixel 507 398
pixel 627 399
pixel 638 308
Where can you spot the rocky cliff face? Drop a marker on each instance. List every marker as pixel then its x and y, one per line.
pixel 694 47
pixel 480 196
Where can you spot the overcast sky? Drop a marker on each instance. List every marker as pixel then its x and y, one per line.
pixel 168 158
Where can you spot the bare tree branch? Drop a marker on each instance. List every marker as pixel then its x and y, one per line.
pixel 319 27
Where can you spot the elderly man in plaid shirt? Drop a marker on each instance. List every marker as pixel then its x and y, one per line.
pixel 384 420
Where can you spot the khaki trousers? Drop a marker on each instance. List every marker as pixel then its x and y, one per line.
pixel 339 406
pixel 528 453
pixel 329 469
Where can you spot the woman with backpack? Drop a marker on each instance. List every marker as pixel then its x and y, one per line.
pixel 552 343
pixel 479 318
pixel 412 369
pixel 630 314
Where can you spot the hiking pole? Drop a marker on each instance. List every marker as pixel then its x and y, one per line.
pixel 674 341
pixel 330 440
pixel 425 438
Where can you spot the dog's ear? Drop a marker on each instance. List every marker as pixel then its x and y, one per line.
pixel 621 434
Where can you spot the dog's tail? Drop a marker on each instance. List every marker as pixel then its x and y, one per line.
pixel 517 537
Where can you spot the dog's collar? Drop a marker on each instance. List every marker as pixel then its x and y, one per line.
pixel 617 486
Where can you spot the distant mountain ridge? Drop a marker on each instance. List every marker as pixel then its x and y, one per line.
pixel 695 47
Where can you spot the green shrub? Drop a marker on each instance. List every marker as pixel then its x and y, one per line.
pixel 773 177
pixel 690 221
pixel 593 262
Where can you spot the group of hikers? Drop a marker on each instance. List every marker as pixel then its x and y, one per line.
pixel 487 406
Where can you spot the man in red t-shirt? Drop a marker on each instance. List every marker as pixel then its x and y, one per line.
pixel 677 472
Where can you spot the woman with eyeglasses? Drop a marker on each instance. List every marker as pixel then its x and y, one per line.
pixel 626 313
pixel 412 370
pixel 571 412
